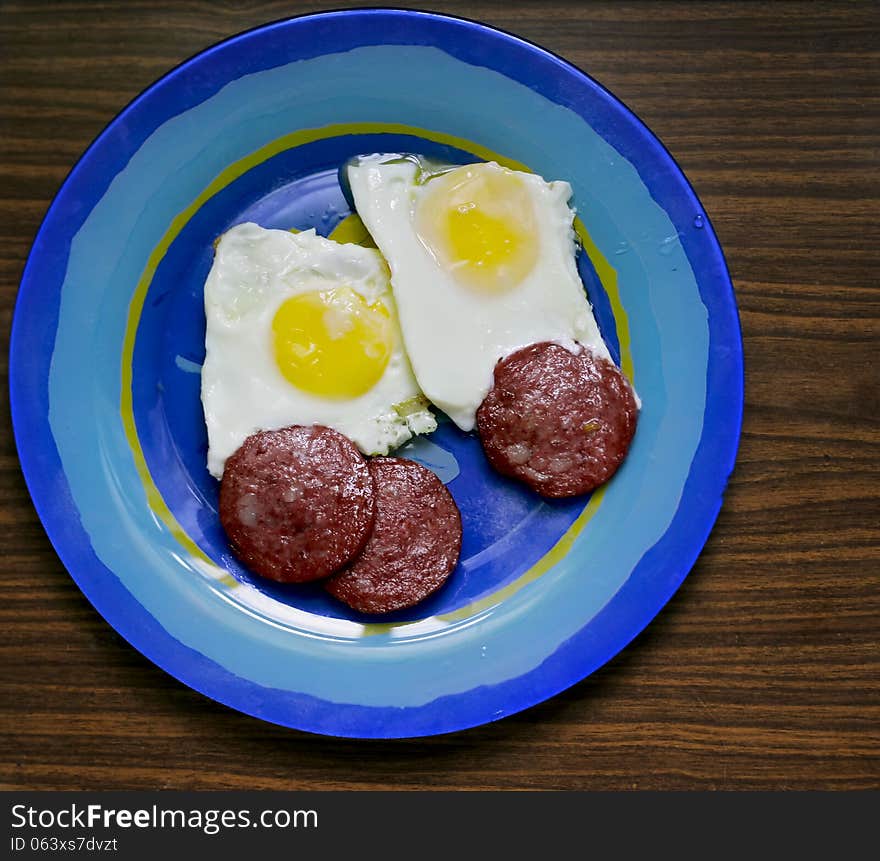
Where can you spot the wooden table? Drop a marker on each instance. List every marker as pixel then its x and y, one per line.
pixel 762 672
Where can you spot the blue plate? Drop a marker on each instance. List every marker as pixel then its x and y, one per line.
pixel 108 338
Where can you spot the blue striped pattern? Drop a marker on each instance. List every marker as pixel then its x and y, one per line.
pixel 314 671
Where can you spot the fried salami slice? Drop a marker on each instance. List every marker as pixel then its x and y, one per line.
pixel 297 503
pixel 414 545
pixel 559 421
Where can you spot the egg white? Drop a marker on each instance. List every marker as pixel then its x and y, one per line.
pixel 454 336
pixel 255 270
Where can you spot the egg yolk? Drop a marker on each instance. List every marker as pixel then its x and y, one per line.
pixel 331 343
pixel 478 222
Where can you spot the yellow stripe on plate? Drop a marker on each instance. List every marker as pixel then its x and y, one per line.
pixel 350 229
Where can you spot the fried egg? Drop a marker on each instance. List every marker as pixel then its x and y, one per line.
pixel 482 262
pixel 304 330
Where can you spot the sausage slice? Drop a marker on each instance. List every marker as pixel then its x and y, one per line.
pixel 558 420
pixel 414 546
pixel 297 503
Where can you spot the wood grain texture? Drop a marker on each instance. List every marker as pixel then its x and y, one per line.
pixel 762 671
